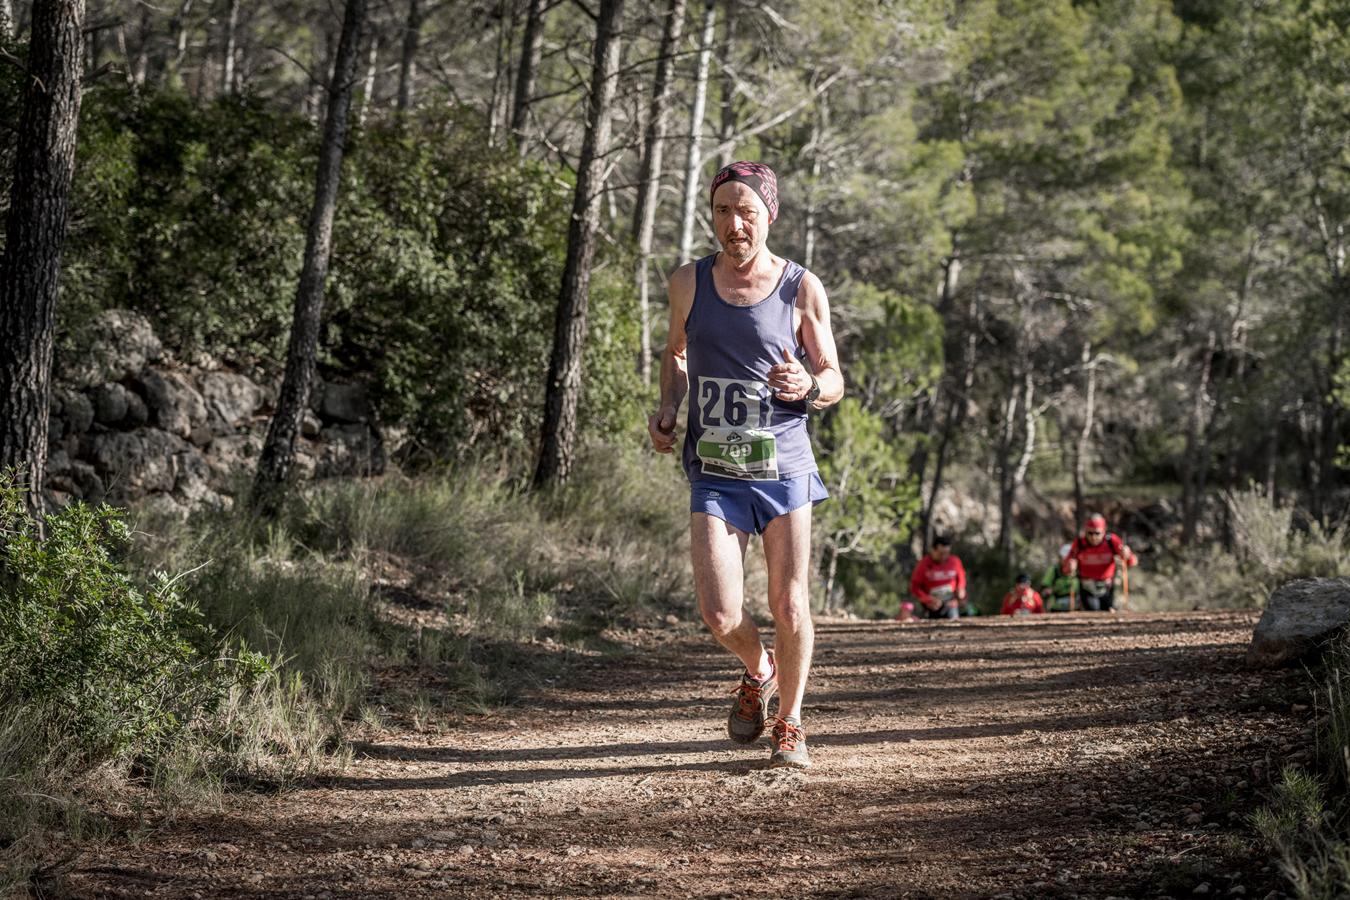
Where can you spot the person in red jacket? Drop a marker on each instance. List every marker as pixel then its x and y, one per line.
pixel 939 581
pixel 1023 599
pixel 1093 556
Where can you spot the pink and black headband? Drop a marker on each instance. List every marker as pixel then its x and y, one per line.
pixel 756 176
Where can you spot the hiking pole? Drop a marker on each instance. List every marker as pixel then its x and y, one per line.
pixel 1124 578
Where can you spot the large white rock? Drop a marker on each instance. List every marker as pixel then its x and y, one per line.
pixel 1299 619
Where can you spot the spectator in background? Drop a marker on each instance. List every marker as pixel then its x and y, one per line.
pixel 939 582
pixel 1061 589
pixel 1023 600
pixel 1092 557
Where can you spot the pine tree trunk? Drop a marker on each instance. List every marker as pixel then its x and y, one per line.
pixel 1081 449
pixel 368 84
pixel 1329 431
pixel 1007 476
pixel 35 231
pixel 276 464
pixel 694 156
pixel 321 71
pixel 1024 462
pixel 728 86
pixel 532 45
pixel 140 67
pixel 563 390
pixel 501 77
pixel 649 179
pixel 1195 457
pixel 956 413
pixel 813 190
pixel 407 63
pixel 178 29
pixel 227 57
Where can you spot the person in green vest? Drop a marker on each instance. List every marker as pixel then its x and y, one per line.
pixel 1061 591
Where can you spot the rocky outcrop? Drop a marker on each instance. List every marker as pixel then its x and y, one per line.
pixel 1301 618
pixel 115 344
pixel 130 425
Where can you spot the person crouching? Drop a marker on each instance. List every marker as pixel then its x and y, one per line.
pixel 1023 599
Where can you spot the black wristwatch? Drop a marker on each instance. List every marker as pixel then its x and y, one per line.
pixel 814 393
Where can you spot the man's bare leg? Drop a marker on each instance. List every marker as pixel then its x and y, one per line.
pixel 718 552
pixel 787 552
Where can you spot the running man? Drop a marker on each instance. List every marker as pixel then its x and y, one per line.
pixel 1092 557
pixel 939 581
pixel 741 321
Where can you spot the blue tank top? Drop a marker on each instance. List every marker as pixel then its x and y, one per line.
pixel 737 427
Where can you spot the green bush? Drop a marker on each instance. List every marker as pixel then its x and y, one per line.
pixel 1270 547
pixel 105 664
pixel 448 256
pixel 1307 821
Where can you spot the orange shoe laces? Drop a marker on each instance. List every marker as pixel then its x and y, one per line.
pixel 749 695
pixel 786 735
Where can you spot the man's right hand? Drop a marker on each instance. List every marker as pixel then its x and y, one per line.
pixel 661 428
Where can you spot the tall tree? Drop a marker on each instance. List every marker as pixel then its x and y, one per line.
pixel 563 390
pixel 407 62
pixel 694 152
pixel 726 135
pixel 35 232
pixel 649 179
pixel 227 79
pixel 277 461
pixel 530 49
pixel 368 83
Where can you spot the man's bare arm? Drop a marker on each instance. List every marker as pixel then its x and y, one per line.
pixel 818 340
pixel 674 371
pixel 791 380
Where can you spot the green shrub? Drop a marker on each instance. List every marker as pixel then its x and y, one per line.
pixel 1307 821
pixel 113 666
pixel 1270 547
pixel 261 588
pixel 447 261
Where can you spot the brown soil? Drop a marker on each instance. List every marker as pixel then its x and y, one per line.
pixel 1070 756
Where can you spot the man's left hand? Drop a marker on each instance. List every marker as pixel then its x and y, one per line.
pixel 789 379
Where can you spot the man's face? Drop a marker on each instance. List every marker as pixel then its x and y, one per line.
pixel 740 219
pixel 940 552
pixel 1095 533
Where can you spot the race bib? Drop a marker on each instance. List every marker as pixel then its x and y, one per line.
pixel 1094 588
pixel 943 592
pixel 735 440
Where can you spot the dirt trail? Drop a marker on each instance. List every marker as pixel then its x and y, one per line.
pixel 1074 755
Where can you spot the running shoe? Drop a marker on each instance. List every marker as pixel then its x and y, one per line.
pixel 750 712
pixel 789 746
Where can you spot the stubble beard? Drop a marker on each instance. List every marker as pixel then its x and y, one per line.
pixel 739 251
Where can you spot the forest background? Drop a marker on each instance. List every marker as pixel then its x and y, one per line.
pixel 1069 245
pixel 1079 255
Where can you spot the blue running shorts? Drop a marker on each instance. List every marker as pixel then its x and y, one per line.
pixel 751 505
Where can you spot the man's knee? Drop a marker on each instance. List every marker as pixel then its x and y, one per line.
pixel 791 609
pixel 721 621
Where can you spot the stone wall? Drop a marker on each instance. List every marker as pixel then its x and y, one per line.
pixel 131 424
